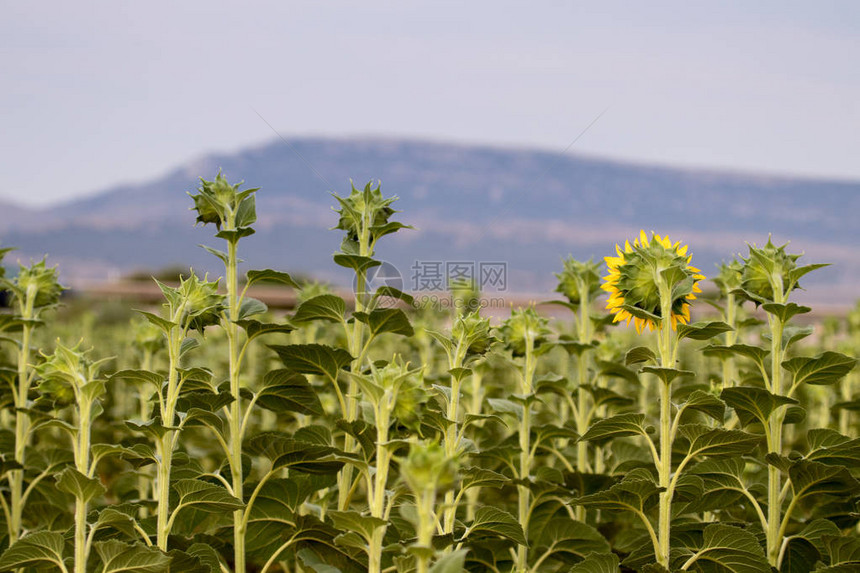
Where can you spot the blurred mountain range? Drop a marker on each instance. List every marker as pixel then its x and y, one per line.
pixel 468 204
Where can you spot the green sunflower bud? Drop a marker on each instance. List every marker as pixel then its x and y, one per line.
pixel 767 272
pixel 147 336
pixel 525 325
pixel 66 374
pixel 195 303
pixel 428 467
pixel 224 204
pixel 729 277
pixel 473 332
pixel 465 295
pixel 37 285
pixel 578 279
pixel 365 214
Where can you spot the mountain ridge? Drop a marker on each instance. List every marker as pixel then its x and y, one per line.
pixel 527 207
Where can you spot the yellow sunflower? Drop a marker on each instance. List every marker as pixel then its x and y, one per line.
pixel 635 275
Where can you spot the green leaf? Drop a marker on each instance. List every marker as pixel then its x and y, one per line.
pixel 286 452
pixel 731 549
pixel 363 525
pixel 355 262
pixel 251 307
pixel 720 443
pixel 832 448
pixel 753 404
pixel 636 495
pixel 489 519
pixel 74 482
pixel 220 254
pixel 667 375
pixel 814 478
pixel 806 547
pixel 842 550
pixel 268 275
pixel 391 292
pixel 640 354
pixel 450 563
pixel 313 359
pixel 288 391
pixel 117 556
pixel 36 549
pixel 254 328
pixel 826 368
pixel 381 320
pixel 702 330
pixel 614 369
pixel 597 563
pixel 162 323
pixel 480 477
pixel 139 377
pixel 706 403
pixel 327 307
pixel 616 427
pixel 573 538
pixel 754 353
pixel 784 312
pixel 205 496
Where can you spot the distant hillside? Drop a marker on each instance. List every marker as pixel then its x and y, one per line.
pixel 468 203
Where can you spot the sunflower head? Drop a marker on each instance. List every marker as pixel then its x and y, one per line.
pixel 225 205
pixel 641 272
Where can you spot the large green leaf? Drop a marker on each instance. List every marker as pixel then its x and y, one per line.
pixel 205 496
pixel 118 557
pixel 327 307
pixel 288 391
pixel 832 448
pixel 569 540
pixel 286 452
pixel 706 403
pixel 814 478
pixel 363 525
pixel 36 549
pixel 450 563
pixel 489 519
pixel 753 404
pixel 720 443
pixel 826 368
pixel 74 482
pixel 636 495
pixel 784 312
pixel 805 548
pixel 268 275
pixel 617 426
pixel 313 359
pixel 702 330
pixel 254 328
pixel 728 549
pixel 597 563
pixel 382 320
pixel 843 550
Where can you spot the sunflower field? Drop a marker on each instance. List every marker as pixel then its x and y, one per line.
pixel 209 434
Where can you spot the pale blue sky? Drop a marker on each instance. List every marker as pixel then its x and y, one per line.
pixel 98 93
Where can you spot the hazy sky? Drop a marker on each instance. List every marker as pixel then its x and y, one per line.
pixel 97 93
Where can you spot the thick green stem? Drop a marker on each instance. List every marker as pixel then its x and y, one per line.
pixel 236 412
pixel 22 420
pixel 667 360
pixel 80 536
pixel 356 343
pixel 774 478
pixel 164 445
pixel 425 503
pixel 526 390
pixel 377 502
